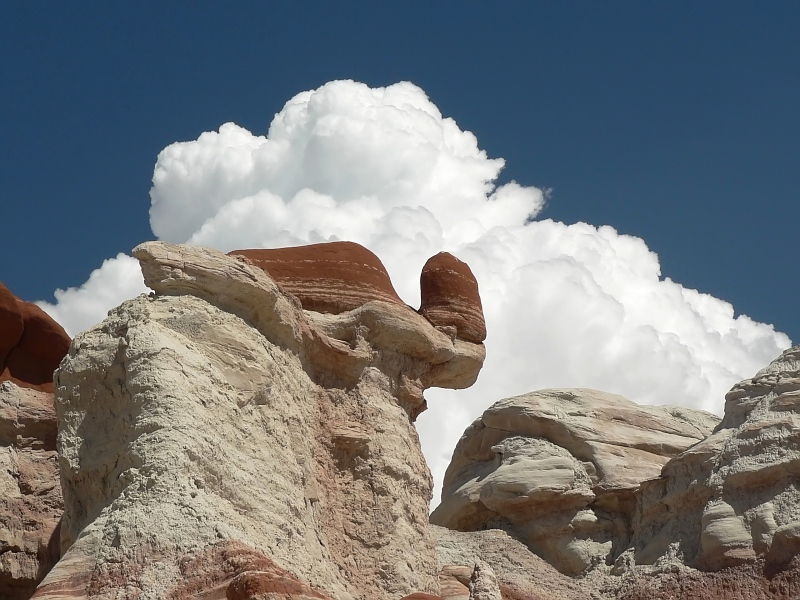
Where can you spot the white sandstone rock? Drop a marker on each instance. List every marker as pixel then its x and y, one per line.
pixel 217 411
pixel 560 469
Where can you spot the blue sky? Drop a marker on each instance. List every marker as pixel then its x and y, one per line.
pixel 674 122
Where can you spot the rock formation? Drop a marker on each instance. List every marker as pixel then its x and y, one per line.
pixel 450 297
pixel 31 346
pixel 642 502
pixel 215 425
pixel 329 278
pixel 340 276
pixel 560 469
pixel 30 494
pixel 733 499
pixel 246 432
pixel 31 343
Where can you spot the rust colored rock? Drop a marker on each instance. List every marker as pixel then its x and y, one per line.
pixel 274 584
pixel 421 596
pixel 329 278
pixel 10 322
pixel 450 297
pixel 30 493
pixel 235 571
pixel 31 343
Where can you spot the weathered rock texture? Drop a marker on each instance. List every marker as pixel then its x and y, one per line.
pixel 735 497
pixel 450 297
pixel 30 494
pixel 31 343
pixel 218 412
pixel 586 479
pixel 520 574
pixel 559 469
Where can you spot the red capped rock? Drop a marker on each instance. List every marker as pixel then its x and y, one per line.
pixel 32 344
pixel 10 322
pixel 334 277
pixel 450 297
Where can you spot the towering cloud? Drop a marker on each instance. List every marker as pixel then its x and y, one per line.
pixel 566 305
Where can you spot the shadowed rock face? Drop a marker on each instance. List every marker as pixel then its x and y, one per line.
pixel 31 347
pixel 450 297
pixel 31 343
pixel 30 493
pixel 328 278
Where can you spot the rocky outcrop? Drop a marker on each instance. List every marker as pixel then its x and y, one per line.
pixel 30 494
pixel 31 343
pixel 746 582
pixel 560 470
pixel 218 414
pixel 333 277
pixel 31 347
pixel 733 498
pixel 450 297
pixel 520 574
pixel 642 501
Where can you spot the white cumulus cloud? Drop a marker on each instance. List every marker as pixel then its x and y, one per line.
pixel 78 308
pixel 566 305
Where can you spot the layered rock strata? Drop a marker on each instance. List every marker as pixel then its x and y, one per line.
pixel 734 498
pixel 218 412
pixel 334 277
pixel 520 574
pixel 30 494
pixel 31 343
pixel 450 297
pixel 560 470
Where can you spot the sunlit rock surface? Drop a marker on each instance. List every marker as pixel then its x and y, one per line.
pixel 329 278
pixel 735 497
pixel 218 411
pixel 560 469
pixel 638 502
pixel 450 297
pixel 31 347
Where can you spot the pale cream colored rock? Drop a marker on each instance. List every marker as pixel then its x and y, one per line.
pixel 725 500
pixel 560 469
pixel 725 536
pixel 218 409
